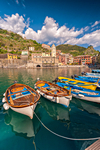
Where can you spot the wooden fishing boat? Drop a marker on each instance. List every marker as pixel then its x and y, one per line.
pixel 82 84
pixel 53 92
pixel 21 98
pixel 82 93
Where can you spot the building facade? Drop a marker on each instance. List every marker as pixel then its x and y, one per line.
pixel 46 46
pixel 31 49
pixel 82 59
pixel 94 60
pixel 64 59
pixel 43 61
pixel 8 56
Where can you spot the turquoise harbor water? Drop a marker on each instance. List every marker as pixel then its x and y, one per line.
pixel 19 132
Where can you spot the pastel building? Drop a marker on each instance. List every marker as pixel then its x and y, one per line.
pixel 46 46
pixel 8 56
pixel 64 58
pixel 83 59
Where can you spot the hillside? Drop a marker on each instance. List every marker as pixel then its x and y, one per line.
pixel 77 50
pixel 14 43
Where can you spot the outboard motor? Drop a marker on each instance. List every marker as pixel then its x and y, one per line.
pixel 56 79
pixel 15 82
pixel 75 75
pixel 83 73
pixel 72 76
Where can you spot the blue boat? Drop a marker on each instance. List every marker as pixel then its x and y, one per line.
pixel 94 75
pixel 96 71
pixel 88 79
pixel 82 93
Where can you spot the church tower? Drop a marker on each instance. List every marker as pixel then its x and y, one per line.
pixel 53 51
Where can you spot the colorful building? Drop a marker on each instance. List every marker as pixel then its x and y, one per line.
pixel 64 58
pixel 82 59
pixel 46 46
pixel 8 56
pixel 94 59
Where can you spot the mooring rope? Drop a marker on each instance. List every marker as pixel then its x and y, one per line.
pixel 68 138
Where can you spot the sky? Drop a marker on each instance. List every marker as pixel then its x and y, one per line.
pixel 75 22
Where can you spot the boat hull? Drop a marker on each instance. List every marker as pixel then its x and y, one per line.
pixel 64 100
pixel 87 98
pixel 74 82
pixel 84 94
pixel 28 111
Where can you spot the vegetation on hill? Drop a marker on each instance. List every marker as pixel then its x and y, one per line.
pixel 15 43
pixel 77 50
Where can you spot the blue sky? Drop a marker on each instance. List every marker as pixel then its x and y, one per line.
pixel 53 21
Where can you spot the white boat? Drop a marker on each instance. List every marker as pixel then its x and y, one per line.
pixel 53 92
pixel 94 75
pixel 21 98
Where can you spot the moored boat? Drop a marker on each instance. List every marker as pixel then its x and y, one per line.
pixel 94 75
pixel 53 92
pixel 21 98
pixel 82 84
pixel 82 93
pixel 95 70
pixel 88 79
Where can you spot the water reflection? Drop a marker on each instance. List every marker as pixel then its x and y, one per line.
pixel 56 111
pixel 22 125
pixel 90 107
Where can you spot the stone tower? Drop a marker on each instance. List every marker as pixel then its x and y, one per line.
pixel 53 51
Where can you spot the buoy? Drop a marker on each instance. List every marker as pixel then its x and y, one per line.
pixel 35 86
pixel 38 79
pixel 3 100
pixel 4 94
pixel 6 106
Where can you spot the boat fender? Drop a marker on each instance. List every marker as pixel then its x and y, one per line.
pixel 3 94
pixel 35 86
pixel 38 79
pixel 3 100
pixel 6 106
pixel 81 95
pixel 57 99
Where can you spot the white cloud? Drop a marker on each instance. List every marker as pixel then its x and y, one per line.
pixel 51 32
pixel 92 38
pixel 96 23
pixel 14 23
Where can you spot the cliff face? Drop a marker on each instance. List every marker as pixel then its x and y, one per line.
pixel 90 51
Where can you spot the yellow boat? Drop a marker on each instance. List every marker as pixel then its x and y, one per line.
pixel 79 83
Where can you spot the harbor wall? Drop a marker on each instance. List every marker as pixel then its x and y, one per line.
pixel 23 63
